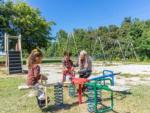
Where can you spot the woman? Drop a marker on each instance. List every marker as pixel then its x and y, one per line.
pixel 85 64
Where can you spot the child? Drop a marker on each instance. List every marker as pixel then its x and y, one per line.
pixel 34 69
pixel 34 75
pixel 68 68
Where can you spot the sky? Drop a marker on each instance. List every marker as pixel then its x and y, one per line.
pixel 70 14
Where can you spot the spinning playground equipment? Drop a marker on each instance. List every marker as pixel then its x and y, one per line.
pixel 12 50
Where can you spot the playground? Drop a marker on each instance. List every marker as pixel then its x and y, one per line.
pixel 73 68
pixel 136 102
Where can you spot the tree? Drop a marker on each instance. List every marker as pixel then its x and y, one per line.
pixel 61 42
pixel 20 18
pixel 129 40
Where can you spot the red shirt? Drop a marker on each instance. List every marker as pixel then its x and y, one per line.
pixel 33 75
pixel 67 63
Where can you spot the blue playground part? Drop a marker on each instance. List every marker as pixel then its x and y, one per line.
pixel 106 74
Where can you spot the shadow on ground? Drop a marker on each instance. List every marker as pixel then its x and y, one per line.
pixel 54 108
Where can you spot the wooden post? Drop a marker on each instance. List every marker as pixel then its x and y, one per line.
pixel 45 88
pixel 20 49
pixel 5 50
pixel 7 53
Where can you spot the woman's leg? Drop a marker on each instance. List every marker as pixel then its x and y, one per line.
pixel 84 73
pixel 87 74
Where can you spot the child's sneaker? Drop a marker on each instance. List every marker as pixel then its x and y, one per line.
pixel 42 102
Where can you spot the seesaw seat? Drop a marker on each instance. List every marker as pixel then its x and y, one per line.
pixel 119 88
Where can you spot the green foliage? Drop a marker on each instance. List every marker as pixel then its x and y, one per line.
pixel 131 40
pixel 20 18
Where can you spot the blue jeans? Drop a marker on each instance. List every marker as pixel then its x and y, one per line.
pixel 85 73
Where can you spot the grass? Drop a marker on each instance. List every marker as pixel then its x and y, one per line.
pixel 58 59
pixel 13 100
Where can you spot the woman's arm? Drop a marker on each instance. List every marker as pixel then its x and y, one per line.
pixel 88 64
pixel 77 64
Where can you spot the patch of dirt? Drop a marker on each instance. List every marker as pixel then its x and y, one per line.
pixel 54 73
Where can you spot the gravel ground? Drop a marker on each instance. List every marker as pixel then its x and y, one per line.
pixel 54 73
pixel 133 69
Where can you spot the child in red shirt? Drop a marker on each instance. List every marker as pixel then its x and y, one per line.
pixel 68 68
pixel 34 75
pixel 34 69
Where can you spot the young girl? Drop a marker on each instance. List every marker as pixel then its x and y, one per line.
pixel 34 69
pixel 68 68
pixel 34 76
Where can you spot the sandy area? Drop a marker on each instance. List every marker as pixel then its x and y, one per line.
pixel 138 74
pixel 133 69
pixel 54 73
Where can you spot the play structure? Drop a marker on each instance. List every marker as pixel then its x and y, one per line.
pixel 95 100
pixel 96 88
pixel 58 92
pixel 11 50
pixel 123 48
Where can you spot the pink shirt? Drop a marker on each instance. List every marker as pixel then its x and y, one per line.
pixel 33 75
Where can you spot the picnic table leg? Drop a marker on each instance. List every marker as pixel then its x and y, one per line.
pixel 80 94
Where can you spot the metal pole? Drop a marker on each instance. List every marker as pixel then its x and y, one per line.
pixel 102 49
pixel 121 49
pixel 125 53
pixel 75 43
pixel 94 47
pixel 132 47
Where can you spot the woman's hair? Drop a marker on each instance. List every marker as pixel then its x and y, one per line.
pixel 31 59
pixel 83 52
pixel 67 53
